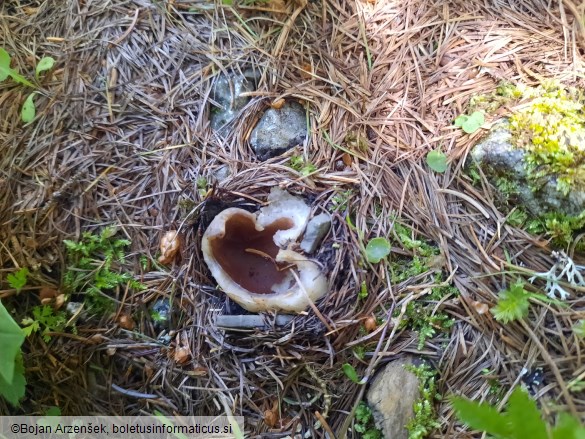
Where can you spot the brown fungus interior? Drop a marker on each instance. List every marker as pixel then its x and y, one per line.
pixel 247 255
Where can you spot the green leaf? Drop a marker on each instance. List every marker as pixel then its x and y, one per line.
pixel 512 303
pixel 28 109
pixel 524 417
pixel 6 71
pixel 437 161
pixel 18 280
pixel 459 121
pixel 481 417
pixel 14 389
pixel 377 249
pixel 11 338
pixel 227 2
pixel 474 122
pixel 568 427
pixel 4 64
pixel 44 64
pixel 351 373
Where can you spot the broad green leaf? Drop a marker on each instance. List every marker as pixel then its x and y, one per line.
pixel 14 389
pixel 44 64
pixel 437 161
pixel 350 372
pixel 227 2
pixel 28 109
pixel 6 71
pixel 11 338
pixel 481 417
pixel 525 419
pixel 568 427
pixel 377 249
pixel 4 64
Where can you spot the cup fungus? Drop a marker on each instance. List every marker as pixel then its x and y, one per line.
pixel 246 255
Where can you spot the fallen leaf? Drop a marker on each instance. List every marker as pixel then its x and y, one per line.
pixel 182 355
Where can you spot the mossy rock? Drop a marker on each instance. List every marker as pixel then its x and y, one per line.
pixel 536 157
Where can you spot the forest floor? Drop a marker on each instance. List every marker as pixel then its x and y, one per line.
pixel 122 139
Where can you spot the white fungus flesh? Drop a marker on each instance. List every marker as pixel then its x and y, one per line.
pixel 247 255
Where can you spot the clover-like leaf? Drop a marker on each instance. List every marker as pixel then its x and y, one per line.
pixel 437 161
pixel 44 64
pixel 377 249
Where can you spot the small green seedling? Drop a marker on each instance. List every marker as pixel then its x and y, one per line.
pixel 351 373
pixel 470 124
pixel 514 302
pixel 437 161
pixel 28 108
pixel 377 249
pixel 6 71
pixel 520 420
pixel 18 280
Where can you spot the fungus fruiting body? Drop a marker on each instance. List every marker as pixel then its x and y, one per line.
pixel 247 255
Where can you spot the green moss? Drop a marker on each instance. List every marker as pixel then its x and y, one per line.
pixel 552 129
pixel 425 418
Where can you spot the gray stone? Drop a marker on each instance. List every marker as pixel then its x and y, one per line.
pixel 279 130
pixel 391 397
pixel 498 158
pixel 316 230
pixel 221 173
pixel 227 94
